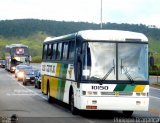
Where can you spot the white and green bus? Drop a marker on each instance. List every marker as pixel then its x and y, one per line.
pixel 97 70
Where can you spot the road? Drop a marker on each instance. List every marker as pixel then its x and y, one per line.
pixel 31 106
pixel 155 100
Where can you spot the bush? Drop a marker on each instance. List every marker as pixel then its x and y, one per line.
pixel 154 72
pixel 37 59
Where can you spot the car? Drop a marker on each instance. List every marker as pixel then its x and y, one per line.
pixel 28 75
pixel 37 82
pixel 20 67
pixel 2 63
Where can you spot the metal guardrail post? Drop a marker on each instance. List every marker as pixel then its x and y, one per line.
pixel 157 77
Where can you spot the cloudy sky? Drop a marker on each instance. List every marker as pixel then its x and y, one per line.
pixel 114 11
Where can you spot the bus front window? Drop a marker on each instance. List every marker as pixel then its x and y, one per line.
pixel 99 61
pixel 132 61
pixel 19 60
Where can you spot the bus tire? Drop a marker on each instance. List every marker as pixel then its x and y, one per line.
pixel 39 85
pixel 48 94
pixel 73 110
pixel 24 83
pixel 127 113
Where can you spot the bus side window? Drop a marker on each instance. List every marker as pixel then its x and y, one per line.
pixel 54 48
pixel 87 55
pixel 49 51
pixel 71 49
pixel 65 50
pixel 44 51
pixel 59 51
pixel 78 63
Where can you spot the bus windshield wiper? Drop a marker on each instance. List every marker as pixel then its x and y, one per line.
pixel 108 73
pixel 126 73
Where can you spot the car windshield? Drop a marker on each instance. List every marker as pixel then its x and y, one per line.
pixel 36 72
pixel 23 67
pixel 29 71
pixel 101 59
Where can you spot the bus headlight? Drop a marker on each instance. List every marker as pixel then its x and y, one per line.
pixel 142 94
pixel 89 93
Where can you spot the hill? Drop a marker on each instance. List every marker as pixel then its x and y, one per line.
pixel 32 32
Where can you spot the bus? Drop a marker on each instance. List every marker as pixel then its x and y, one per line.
pixel 16 54
pixel 97 70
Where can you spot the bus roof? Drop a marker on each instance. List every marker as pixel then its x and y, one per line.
pixel 16 45
pixel 102 35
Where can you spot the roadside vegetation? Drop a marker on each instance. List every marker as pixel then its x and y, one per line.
pixel 32 32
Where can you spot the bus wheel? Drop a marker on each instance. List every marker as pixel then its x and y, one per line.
pixel 48 94
pixel 39 85
pixel 74 111
pixel 127 113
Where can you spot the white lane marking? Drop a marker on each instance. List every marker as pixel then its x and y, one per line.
pixel 40 95
pixel 29 90
pixel 154 97
pixel 155 88
pixel 8 94
pixel 9 75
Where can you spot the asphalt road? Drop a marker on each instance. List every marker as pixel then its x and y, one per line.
pixel 31 106
pixel 155 100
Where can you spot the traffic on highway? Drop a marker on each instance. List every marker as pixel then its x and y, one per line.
pixel 93 78
pixel 30 105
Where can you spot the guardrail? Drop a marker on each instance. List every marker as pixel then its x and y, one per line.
pixel 154 79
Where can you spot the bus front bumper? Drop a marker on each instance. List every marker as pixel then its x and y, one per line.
pixel 114 103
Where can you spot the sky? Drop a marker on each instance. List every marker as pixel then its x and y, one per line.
pixel 114 11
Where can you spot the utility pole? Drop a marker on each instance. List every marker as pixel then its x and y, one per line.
pixel 101 15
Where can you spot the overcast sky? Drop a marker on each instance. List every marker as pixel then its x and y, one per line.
pixel 114 11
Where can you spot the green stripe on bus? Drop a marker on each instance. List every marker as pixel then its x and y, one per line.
pixel 61 95
pixel 59 89
pixel 62 82
pixel 129 88
pixel 125 87
pixel 120 87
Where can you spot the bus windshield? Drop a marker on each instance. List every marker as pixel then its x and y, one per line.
pixel 21 59
pixel 100 60
pixel 17 60
pixel 132 59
